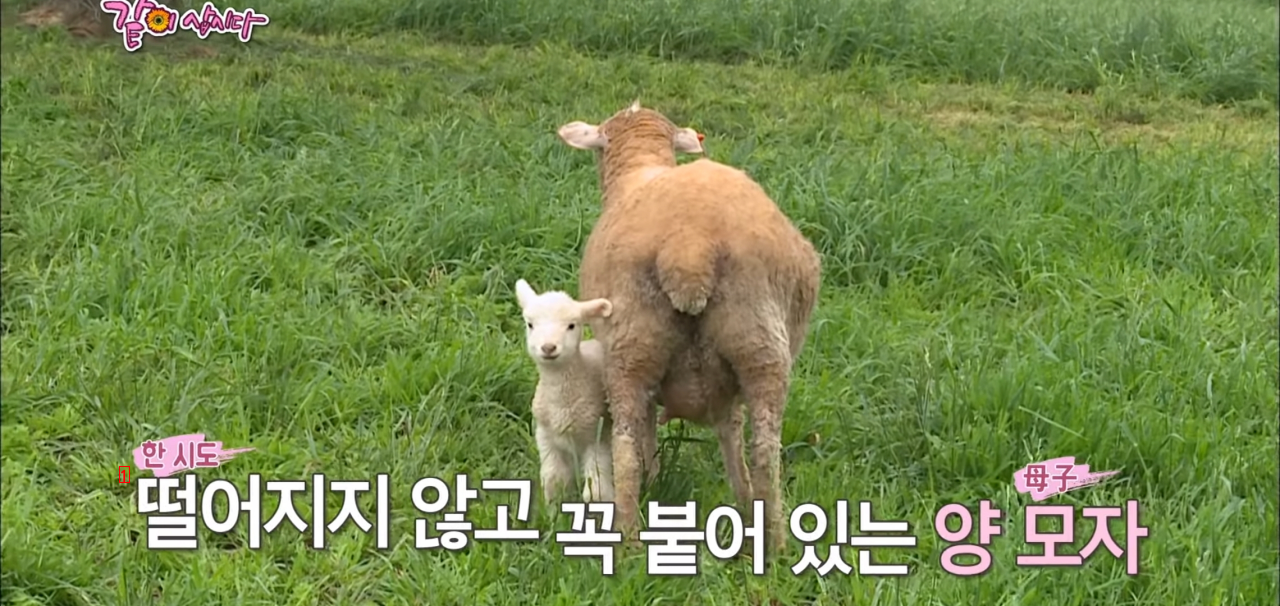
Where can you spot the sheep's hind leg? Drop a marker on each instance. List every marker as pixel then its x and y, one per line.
pixel 626 396
pixel 650 442
pixel 754 342
pixel 766 391
pixel 639 348
pixel 729 434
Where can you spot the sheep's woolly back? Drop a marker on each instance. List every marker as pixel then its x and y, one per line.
pixel 689 220
pixel 686 220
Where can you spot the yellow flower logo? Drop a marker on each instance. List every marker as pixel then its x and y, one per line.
pixel 158 20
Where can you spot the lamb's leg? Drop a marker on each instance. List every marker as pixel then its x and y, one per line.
pixel 729 433
pixel 557 468
pixel 597 471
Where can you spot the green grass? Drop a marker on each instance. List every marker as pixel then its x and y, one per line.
pixel 1211 50
pixel 308 244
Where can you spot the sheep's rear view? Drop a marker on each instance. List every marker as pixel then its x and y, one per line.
pixel 712 288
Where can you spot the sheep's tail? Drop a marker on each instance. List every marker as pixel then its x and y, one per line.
pixel 687 272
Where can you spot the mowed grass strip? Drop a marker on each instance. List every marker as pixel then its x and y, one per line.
pixel 1215 51
pixel 308 246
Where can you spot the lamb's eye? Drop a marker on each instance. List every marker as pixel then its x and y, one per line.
pixel 571 326
pixel 529 324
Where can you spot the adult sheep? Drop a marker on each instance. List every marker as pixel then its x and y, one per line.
pixel 712 289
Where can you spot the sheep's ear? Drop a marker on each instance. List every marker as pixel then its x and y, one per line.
pixel 524 293
pixel 688 141
pixel 582 136
pixel 597 308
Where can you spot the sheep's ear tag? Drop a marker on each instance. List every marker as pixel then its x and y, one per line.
pixel 701 137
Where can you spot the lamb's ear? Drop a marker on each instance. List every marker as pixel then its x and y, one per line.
pixel 688 141
pixel 582 136
pixel 597 308
pixel 524 293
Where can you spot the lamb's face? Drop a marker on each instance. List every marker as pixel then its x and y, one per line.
pixel 553 322
pixel 553 327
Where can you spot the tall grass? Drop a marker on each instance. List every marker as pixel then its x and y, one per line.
pixel 1213 51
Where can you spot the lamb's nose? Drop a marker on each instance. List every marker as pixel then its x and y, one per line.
pixel 549 348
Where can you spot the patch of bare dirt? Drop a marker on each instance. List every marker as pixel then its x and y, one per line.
pixel 85 19
pixel 200 51
pixel 1122 126
pixel 81 19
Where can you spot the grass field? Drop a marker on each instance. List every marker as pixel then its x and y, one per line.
pixel 1213 50
pixel 307 245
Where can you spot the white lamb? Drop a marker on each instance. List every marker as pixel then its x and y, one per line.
pixel 572 423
